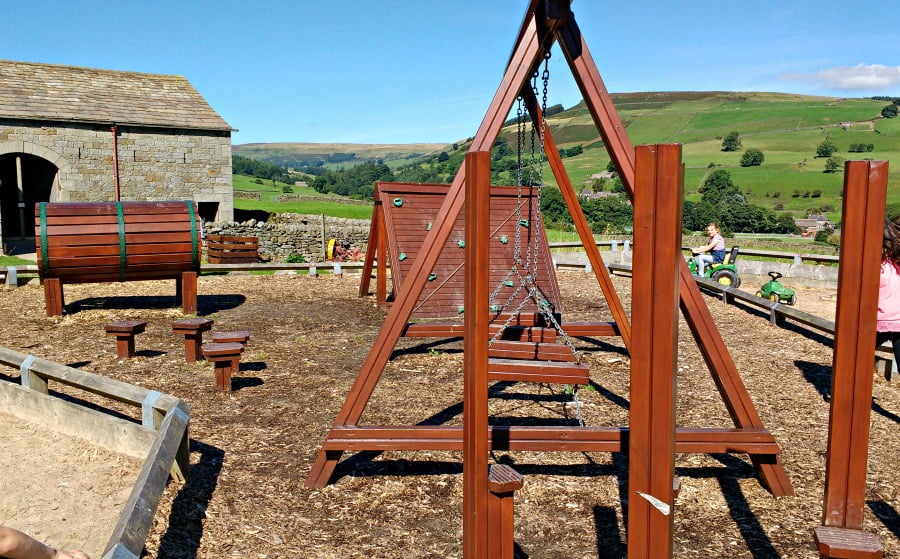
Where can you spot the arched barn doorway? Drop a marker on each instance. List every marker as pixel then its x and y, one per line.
pixel 25 180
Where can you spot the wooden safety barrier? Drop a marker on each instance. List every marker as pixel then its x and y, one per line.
pixel 231 249
pixel 88 242
pixel 160 438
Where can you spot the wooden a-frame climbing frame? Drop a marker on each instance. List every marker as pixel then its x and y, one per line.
pixel 547 21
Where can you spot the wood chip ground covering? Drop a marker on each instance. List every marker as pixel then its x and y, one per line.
pixel 252 448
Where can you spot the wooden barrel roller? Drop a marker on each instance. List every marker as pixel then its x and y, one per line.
pixel 87 242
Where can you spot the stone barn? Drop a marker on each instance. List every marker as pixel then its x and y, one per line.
pixel 73 134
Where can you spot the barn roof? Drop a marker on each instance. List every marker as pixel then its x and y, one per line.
pixel 34 91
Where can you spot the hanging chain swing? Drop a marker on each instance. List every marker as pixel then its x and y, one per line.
pixel 524 271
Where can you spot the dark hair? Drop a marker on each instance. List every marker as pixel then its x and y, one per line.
pixel 890 246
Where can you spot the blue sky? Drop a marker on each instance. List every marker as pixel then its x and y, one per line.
pixel 392 71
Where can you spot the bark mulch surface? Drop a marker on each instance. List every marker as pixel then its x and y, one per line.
pixel 252 448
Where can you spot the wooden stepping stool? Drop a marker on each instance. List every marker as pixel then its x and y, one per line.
pixel 224 357
pixel 846 543
pixel 238 336
pixel 192 329
pixel 124 331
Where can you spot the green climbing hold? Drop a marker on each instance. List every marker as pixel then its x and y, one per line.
pixel 398 202
pixel 428 227
pixel 432 276
pixel 461 244
pixel 460 310
pixel 402 256
pixel 495 308
pixel 508 283
pixel 524 223
pixel 504 239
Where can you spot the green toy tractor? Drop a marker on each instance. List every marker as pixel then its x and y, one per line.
pixel 775 292
pixel 724 273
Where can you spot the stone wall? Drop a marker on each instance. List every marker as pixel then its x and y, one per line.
pixel 154 164
pixel 288 234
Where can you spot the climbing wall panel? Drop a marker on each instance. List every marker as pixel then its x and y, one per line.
pixel 410 210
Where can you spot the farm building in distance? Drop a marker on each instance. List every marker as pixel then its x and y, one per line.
pixel 72 134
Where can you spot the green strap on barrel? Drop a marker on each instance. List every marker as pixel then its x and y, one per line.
pixel 45 250
pixel 195 254
pixel 120 214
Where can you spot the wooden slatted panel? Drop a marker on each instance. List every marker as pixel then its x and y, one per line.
pixel 442 297
pixel 231 249
pixel 82 241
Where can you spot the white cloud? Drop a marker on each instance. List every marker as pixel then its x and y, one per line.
pixel 874 77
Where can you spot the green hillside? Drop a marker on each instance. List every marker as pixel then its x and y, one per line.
pixel 787 128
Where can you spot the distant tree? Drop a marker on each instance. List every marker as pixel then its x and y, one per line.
pixel 443 156
pixel 717 187
pixel 731 142
pixel 816 193
pixel 455 147
pixel 610 167
pixel 833 164
pixel 854 148
pixel 889 111
pixel 826 148
pixel 286 189
pixel 752 158
pixel 870 147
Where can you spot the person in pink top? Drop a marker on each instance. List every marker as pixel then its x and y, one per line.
pixel 888 319
pixel 713 252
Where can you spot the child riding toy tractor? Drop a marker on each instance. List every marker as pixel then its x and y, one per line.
pixel 775 292
pixel 724 273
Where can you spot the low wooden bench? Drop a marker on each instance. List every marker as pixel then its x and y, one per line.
pixel 231 249
pixel 91 242
pixel 226 359
pixel 124 331
pixel 192 329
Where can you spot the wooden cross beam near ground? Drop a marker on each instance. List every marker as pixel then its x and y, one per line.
pixel 546 21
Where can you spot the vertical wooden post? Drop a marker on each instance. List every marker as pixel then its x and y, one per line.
pixel 371 245
pixel 189 292
pixel 53 296
pixel 654 309
pixel 475 382
pixel 865 188
pixel 381 272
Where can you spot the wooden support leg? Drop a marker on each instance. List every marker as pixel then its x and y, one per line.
pixel 188 298
pixel 125 346
pixel 651 449
pixel 865 188
pixel 53 296
pixel 503 481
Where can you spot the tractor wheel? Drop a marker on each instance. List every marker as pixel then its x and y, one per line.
pixel 792 300
pixel 726 278
pixel 774 298
pixel 760 294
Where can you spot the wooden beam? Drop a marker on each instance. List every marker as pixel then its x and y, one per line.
pixel 865 188
pixel 371 247
pixel 476 529
pixel 709 339
pixel 659 194
pixel 543 439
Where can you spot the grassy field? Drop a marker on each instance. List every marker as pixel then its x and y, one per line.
pixel 269 194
